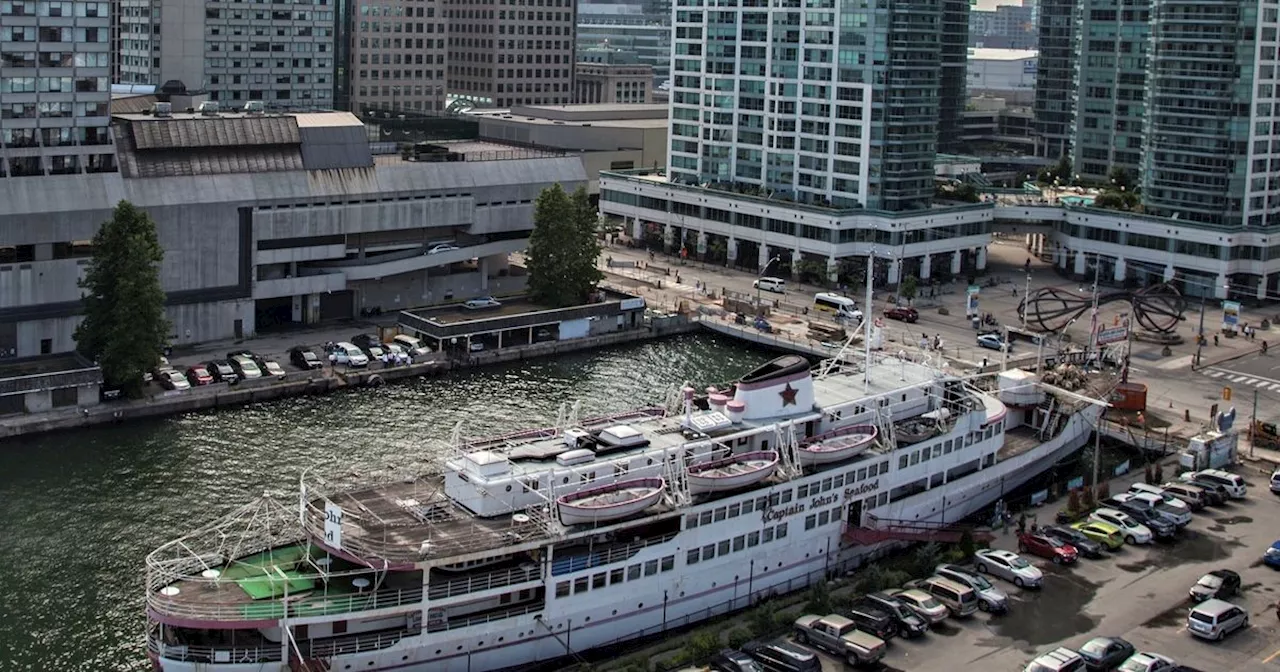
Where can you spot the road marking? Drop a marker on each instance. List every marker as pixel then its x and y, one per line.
pixel 1236 379
pixel 1233 377
pixel 1216 374
pixel 1252 381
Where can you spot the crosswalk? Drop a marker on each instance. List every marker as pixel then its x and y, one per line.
pixel 1237 378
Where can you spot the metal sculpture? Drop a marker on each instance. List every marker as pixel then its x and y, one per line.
pixel 1157 308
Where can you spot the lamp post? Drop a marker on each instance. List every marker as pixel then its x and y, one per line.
pixel 760 276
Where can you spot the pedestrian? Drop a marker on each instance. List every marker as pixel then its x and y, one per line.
pixel 1022 523
pixel 1215 340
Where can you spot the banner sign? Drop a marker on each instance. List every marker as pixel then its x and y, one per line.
pixel 333 525
pixel 1122 468
pixel 1039 498
pixel 971 301
pixel 1113 335
pixel 1230 314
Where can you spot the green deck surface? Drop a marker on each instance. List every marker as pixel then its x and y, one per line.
pixel 270 573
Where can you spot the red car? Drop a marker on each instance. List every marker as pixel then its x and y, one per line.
pixel 199 375
pixel 903 313
pixel 1061 553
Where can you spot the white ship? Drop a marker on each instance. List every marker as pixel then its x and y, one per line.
pixel 542 544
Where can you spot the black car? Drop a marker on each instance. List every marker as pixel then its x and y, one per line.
pixel 1087 547
pixel 1103 654
pixel 221 371
pixel 1214 493
pixel 909 622
pixel 305 358
pixel 784 656
pixel 873 619
pixel 1220 584
pixel 370 344
pixel 729 660
pixel 1161 528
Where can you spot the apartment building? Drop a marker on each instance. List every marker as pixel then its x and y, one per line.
pixel 398 56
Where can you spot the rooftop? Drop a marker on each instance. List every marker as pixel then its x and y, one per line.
pixel 617 115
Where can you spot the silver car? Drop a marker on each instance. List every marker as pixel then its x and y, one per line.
pixel 924 604
pixel 990 597
pixel 1009 566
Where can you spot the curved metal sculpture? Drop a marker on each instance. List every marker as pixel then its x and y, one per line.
pixel 1157 308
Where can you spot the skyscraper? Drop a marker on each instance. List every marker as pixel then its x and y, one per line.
pixel 955 58
pixel 397 56
pixel 55 123
pixel 642 26
pixel 1110 61
pixel 1055 78
pixel 512 52
pixel 810 102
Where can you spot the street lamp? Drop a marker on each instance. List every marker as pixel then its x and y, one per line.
pixel 759 276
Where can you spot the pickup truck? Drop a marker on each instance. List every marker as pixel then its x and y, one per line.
pixel 840 636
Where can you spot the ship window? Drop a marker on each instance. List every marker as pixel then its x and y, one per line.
pixel 839 480
pixel 692 558
pixel 747 506
pixel 733 510
pixel 620 469
pixel 504 599
pixel 810 521
pixel 915 457
pixel 723 547
pixel 773 499
pixel 753 539
pixel 786 496
pixel 835 515
pixel 719 514
pixel 599 580
pixel 760 503
pixel 743 441
pixel 937 451
pixel 633 572
pixel 902 461
pixel 946 448
pixel 884 467
pixel 562 589
pixel 862 473
pixel 668 563
pixel 989 460
pixel 615 576
pixel 826 484
pixel 768 534
pixel 764 445
pixel 580 585
pixel 708 551
pixel 824 517
pixel 739 543
pixel 586 476
pixel 924 455
pixel 802 491
pixel 691 521
pixel 882 499
pixel 705 518
pixel 651 568
pixel 852 473
pixel 782 531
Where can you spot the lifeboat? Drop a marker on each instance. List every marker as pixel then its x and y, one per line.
pixel 732 472
pixel 839 446
pixel 610 502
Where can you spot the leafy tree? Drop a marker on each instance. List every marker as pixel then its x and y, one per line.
pixel 124 327
pixel 563 248
pixel 1120 178
pixel 909 287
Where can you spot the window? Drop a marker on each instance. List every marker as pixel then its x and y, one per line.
pixel 599 580
pixel 708 551
pixel 768 534
pixel 747 506
pixel 615 576
pixel 810 521
pixel 782 530
pixel 824 518
pixel 802 491
pixel 826 484
pixel 651 568
pixel 839 480
pixel 562 589
pixel 633 572
pixel 739 543
pixel 719 514
pixel 705 518
pixel 733 510
pixel 691 521
pixel 786 496
pixel 723 547
pixel 692 558
pixel 753 539
pixel 902 461
pixel 862 473
pixel 580 585
pixel 668 563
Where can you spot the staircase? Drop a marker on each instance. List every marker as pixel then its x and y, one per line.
pixel 314 665
pixel 878 530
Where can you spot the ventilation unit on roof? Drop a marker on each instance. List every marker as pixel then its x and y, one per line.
pixel 254 107
pixel 163 110
pixel 208 108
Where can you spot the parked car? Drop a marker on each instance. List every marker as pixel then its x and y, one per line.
pixel 840 636
pixel 1106 534
pixel 442 247
pixel 1086 546
pixel 993 342
pixel 1275 481
pixel 903 313
pixel 1215 494
pixel 1145 661
pixel 990 597
pixel 1045 546
pixel 481 303
pixel 1220 584
pixel 221 371
pixel 1194 496
pixel 171 379
pixel 1103 654
pixel 199 375
pixel 960 599
pixel 1236 487
pixel 1271 557
pixel 783 656
pixel 272 368
pixel 347 353
pixel 909 622
pixel 1156 506
pixel 1168 497
pixel 370 344
pixel 244 366
pixel 925 605
pixel 162 366
pixel 1160 528
pixel 1134 532
pixel 305 358
pixel 411 344
pixel 1215 619
pixel 1009 566
pixel 729 660
pixel 1060 659
pixel 874 620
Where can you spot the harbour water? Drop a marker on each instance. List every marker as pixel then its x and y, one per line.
pixel 81 510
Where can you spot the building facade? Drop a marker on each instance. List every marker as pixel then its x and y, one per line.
pixel 280 53
pixel 55 89
pixel 1055 77
pixel 297 223
pixel 1005 27
pixel 1107 126
pixel 954 43
pixel 1003 73
pixel 518 52
pixel 606 75
pixel 642 27
pixel 397 56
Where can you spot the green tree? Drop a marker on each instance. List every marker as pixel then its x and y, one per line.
pixel 563 248
pixel 124 327
pixel 1120 178
pixel 909 287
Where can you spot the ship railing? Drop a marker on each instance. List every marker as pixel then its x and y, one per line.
pixel 574 563
pixel 336 646
pixel 308 606
pixel 548 432
pixel 188 653
pixel 472 584
pixel 478 619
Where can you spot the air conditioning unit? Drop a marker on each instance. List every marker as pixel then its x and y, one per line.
pixel 163 110
pixel 255 107
pixel 208 108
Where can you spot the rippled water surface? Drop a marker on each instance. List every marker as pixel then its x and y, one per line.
pixel 80 511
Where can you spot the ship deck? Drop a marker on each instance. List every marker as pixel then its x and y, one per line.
pixel 1017 441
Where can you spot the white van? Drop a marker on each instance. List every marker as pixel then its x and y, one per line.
pixel 1236 487
pixel 843 306
pixel 771 285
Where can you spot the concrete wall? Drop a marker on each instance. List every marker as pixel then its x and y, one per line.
pixel 59 329
pixel 40 282
pixel 328 220
pixel 411 291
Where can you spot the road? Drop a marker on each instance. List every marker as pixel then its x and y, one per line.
pixel 1138 594
pixel 1254 372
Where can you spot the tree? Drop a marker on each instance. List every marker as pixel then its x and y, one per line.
pixel 1120 178
pixel 124 327
pixel 563 248
pixel 908 288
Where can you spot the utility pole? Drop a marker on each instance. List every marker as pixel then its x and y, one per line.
pixel 1026 296
pixel 866 322
pixel 1093 322
pixel 1253 420
pixel 1128 348
pixel 1200 331
pixel 1097 450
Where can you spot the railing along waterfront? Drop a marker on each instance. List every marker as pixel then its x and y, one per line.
pixel 314 605
pixel 471 584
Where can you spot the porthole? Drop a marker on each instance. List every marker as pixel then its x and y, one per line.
pixel 459 647
pixel 735 577
pixel 369 664
pixel 615 613
pixel 649 460
pixel 508 488
pixel 640 606
pixel 566 480
pixel 682 593
pixel 481 644
pixel 588 620
pixel 502 639
pixel 347 667
pixel 439 651
pixel 404 657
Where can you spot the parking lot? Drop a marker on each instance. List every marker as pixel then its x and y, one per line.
pixel 1138 593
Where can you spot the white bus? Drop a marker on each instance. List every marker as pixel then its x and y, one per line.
pixel 843 306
